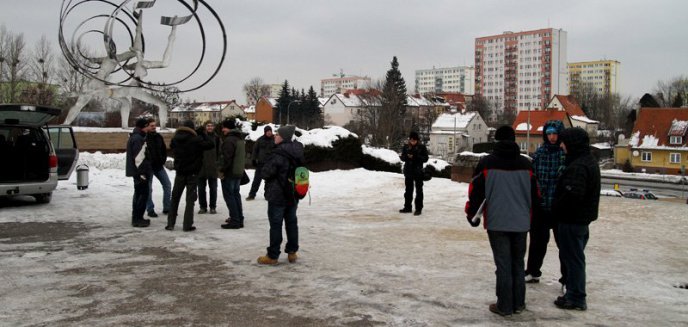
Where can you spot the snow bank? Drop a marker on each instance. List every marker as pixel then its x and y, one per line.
pixel 383 154
pixel 103 161
pixel 324 137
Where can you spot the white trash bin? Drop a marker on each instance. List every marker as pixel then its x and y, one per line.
pixel 82 177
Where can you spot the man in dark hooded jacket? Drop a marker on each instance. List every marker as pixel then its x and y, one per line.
pixel 414 154
pixel 208 173
pixel 282 205
pixel 548 163
pixel 576 205
pixel 504 185
pixel 233 153
pixel 139 167
pixel 187 148
pixel 261 151
pixel 158 152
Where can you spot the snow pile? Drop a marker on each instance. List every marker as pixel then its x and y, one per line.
pixel 383 154
pixel 602 145
pixel 616 173
pixel 649 141
pixel 523 127
pixel 473 154
pixel 103 161
pixel 438 164
pixel 260 131
pixel 635 138
pixel 324 137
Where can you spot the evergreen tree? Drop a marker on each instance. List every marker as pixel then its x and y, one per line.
pixel 393 126
pixel 283 103
pixel 678 101
pixel 312 111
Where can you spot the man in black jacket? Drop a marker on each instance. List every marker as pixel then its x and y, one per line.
pixel 576 205
pixel 414 154
pixel 504 185
pixel 158 152
pixel 208 173
pixel 187 148
pixel 282 204
pixel 139 167
pixel 261 150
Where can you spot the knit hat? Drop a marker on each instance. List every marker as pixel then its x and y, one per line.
pixel 229 123
pixel 286 132
pixel 142 122
pixel 505 133
pixel 414 136
pixel 551 130
pixel 188 123
pixel 267 128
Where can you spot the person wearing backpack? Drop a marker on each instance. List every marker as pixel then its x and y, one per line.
pixel 278 173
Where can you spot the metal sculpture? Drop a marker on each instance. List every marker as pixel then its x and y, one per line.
pixel 131 66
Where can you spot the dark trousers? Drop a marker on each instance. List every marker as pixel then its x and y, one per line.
pixel 257 177
pixel 212 190
pixel 230 192
pixel 408 194
pixel 539 237
pixel 508 250
pixel 277 214
pixel 572 241
pixel 138 206
pixel 190 182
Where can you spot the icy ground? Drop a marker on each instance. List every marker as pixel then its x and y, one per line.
pixel 77 261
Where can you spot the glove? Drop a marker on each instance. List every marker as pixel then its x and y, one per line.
pixel 474 224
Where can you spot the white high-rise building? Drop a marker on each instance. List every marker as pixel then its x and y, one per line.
pixel 330 86
pixel 522 70
pixel 459 79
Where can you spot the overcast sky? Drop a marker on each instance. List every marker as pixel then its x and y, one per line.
pixel 306 41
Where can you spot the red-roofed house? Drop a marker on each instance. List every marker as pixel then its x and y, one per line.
pixel 658 143
pixel 578 118
pixel 532 133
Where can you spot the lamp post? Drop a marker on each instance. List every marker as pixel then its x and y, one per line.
pixel 289 106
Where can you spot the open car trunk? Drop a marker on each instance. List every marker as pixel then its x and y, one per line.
pixel 25 154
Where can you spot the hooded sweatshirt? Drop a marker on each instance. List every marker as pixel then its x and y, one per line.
pixel 548 163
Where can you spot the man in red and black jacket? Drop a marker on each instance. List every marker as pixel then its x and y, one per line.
pixel 504 180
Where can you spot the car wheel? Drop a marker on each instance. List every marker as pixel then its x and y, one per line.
pixel 43 198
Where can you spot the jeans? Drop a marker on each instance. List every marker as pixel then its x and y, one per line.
pixel 212 187
pixel 509 249
pixel 275 215
pixel 256 181
pixel 230 192
pixel 408 194
pixel 190 182
pixel 572 241
pixel 138 206
pixel 539 237
pixel 161 175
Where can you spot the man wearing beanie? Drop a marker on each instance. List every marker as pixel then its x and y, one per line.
pixel 261 150
pixel 233 153
pixel 576 204
pixel 208 173
pixel 414 154
pixel 505 182
pixel 139 167
pixel 548 161
pixel 187 148
pixel 282 205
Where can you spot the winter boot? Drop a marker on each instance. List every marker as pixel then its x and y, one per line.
pixel 265 260
pixel 213 211
pixel 405 210
pixel 202 211
pixel 494 309
pixel 291 256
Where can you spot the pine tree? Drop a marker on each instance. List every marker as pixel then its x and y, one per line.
pixel 283 103
pixel 393 107
pixel 312 111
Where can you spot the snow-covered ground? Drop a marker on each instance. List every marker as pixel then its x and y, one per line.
pixel 77 261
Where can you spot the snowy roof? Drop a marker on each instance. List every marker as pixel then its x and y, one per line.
pixel 250 109
pixel 602 146
pixel 458 120
pixel 413 101
pixel 206 106
pixel 654 127
pixel 353 100
pixel 522 127
pixel 585 119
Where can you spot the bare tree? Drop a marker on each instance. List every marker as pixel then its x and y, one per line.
pixel 668 92
pixel 485 108
pixel 16 64
pixel 71 81
pixel 255 89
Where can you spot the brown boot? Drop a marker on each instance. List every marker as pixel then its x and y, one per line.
pixel 265 260
pixel 292 257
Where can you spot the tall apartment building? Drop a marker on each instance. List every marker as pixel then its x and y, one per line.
pixel 521 70
pixel 330 86
pixel 600 75
pixel 459 79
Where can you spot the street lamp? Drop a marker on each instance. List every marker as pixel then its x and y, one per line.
pixel 289 106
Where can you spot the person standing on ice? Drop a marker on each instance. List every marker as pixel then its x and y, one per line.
pixel 548 163
pixel 414 154
pixel 576 205
pixel 158 152
pixel 208 173
pixel 282 204
pixel 505 182
pixel 261 150
pixel 139 167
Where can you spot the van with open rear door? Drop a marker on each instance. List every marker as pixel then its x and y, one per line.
pixel 34 155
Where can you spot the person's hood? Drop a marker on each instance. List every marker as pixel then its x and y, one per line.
pixel 184 134
pixel 576 141
pixel 552 123
pixel 292 149
pixel 507 149
pixel 137 130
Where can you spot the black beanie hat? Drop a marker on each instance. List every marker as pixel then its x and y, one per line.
pixel 188 123
pixel 142 122
pixel 267 128
pixel 505 133
pixel 229 123
pixel 414 136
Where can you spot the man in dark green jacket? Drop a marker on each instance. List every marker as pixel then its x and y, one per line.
pixel 233 160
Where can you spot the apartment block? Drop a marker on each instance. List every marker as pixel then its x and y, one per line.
pixel 600 76
pixel 460 79
pixel 330 86
pixel 521 70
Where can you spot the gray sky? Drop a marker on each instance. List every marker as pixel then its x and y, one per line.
pixel 305 41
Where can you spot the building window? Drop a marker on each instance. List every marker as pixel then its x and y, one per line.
pixel 676 140
pixel 646 156
pixel 674 158
pixel 450 143
pixel 524 146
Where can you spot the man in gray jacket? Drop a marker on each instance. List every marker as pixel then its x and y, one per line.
pixel 261 150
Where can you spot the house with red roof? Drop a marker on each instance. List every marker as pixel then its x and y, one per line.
pixel 658 142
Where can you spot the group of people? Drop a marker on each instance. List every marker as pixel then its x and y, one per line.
pixel 558 190
pixel 200 158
